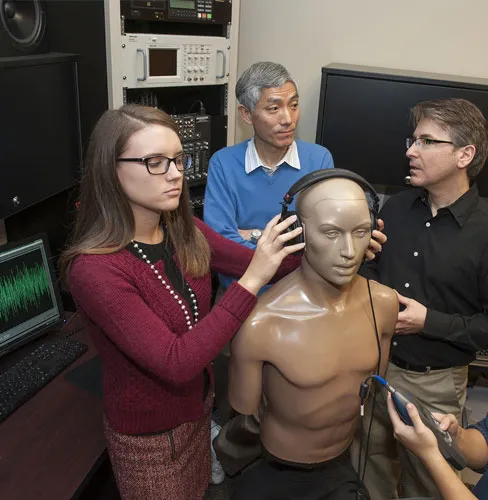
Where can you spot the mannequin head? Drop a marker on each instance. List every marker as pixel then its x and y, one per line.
pixel 337 229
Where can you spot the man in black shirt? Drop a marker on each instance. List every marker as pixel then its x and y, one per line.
pixel 436 259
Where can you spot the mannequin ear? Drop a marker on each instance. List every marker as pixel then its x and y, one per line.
pixel 245 114
pixel 467 155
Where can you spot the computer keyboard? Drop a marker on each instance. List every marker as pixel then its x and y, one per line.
pixel 26 377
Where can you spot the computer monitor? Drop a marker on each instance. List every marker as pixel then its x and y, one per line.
pixel 30 301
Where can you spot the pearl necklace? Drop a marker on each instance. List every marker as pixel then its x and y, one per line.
pixel 170 290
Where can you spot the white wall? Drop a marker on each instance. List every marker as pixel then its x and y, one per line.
pixel 440 36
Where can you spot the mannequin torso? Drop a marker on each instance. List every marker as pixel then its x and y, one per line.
pixel 314 360
pixel 311 340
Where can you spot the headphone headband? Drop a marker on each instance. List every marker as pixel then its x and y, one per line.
pixel 331 173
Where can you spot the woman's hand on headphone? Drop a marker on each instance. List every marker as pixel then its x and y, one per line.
pixel 378 239
pixel 270 252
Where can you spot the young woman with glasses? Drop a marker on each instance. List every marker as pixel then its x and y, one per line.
pixel 138 267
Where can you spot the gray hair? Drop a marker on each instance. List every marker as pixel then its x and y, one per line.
pixel 256 78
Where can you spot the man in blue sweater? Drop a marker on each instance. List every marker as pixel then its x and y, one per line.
pixel 246 182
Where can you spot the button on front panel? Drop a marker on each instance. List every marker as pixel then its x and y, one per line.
pixel 196 61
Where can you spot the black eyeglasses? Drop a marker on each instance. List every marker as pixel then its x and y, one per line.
pixel 422 142
pixel 159 164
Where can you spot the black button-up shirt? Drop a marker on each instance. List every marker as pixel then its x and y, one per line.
pixel 441 262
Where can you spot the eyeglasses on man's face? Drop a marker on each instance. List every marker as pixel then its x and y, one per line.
pixel 159 164
pixel 423 142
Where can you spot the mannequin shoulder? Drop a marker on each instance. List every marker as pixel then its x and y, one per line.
pixel 254 335
pixel 384 298
pixel 384 294
pixel 256 325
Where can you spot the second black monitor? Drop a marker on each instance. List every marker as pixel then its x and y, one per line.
pixel 364 117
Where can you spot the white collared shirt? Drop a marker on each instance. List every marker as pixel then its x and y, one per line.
pixel 253 161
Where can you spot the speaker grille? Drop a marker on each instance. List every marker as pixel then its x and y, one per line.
pixel 23 23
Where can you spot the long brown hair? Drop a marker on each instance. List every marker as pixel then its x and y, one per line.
pixel 105 221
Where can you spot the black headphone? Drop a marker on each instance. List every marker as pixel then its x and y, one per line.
pixel 321 175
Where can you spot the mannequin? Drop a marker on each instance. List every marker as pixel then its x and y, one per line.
pixel 306 348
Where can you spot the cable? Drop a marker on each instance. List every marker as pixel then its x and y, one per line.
pixel 363 394
pixel 375 328
pixel 381 380
pixel 202 109
pixel 374 394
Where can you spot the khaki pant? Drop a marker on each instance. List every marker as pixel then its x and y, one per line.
pixel 392 471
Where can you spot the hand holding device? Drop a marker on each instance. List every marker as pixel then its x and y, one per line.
pixel 447 446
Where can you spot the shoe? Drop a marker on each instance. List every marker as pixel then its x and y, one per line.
pixel 218 474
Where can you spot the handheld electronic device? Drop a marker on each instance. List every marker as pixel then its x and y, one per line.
pixel 447 446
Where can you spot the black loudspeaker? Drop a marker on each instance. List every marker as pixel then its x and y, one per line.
pixel 78 27
pixel 22 28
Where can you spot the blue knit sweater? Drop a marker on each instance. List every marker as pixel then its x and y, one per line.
pixel 236 200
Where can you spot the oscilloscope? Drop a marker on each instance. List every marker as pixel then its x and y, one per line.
pixel 30 301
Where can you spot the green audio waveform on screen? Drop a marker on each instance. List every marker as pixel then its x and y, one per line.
pixel 22 290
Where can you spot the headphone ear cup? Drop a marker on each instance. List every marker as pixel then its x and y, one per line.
pixel 297 223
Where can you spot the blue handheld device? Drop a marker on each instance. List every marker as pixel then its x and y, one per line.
pixel 449 449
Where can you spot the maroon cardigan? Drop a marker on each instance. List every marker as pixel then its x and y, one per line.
pixel 152 364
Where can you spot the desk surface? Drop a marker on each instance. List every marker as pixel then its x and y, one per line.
pixel 52 442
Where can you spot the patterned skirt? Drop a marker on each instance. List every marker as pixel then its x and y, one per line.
pixel 174 465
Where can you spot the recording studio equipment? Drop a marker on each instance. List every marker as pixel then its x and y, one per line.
pixel 22 28
pixel 49 97
pixel 195 11
pixel 319 176
pixel 41 152
pixel 30 300
pixel 150 60
pixel 197 202
pixel 449 449
pixel 40 27
pixel 174 54
pixel 195 135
